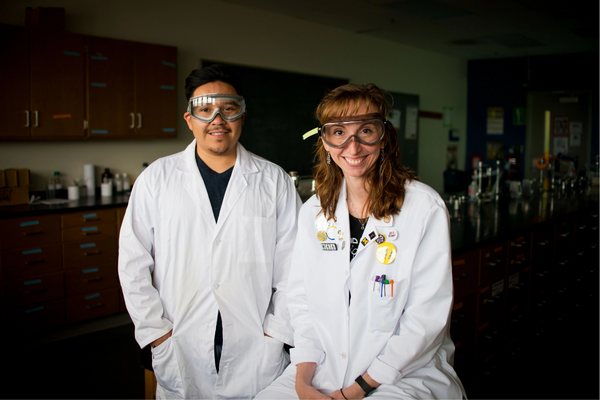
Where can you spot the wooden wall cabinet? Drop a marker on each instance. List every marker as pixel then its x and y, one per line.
pixel 69 86
pixel 44 81
pixel 131 89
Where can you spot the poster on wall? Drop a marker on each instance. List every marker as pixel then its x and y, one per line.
pixel 495 121
pixel 575 131
pixel 412 114
pixel 561 145
pixel 394 117
pixel 561 125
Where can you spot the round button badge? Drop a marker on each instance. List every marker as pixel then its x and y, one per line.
pixel 322 236
pixel 385 253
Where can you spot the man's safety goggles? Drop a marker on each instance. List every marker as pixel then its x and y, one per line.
pixel 338 134
pixel 206 107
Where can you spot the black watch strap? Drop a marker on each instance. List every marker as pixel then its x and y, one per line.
pixel 364 385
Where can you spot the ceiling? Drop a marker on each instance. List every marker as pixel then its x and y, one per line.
pixel 468 29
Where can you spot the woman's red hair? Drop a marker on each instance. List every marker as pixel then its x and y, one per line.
pixel 387 179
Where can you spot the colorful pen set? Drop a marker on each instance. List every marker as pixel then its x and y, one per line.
pixel 383 283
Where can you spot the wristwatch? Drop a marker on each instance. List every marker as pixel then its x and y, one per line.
pixel 364 385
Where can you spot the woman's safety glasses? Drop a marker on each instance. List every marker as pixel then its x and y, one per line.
pixel 206 107
pixel 338 134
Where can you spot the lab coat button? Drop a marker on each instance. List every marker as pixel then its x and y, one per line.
pixel 215 286
pixel 343 356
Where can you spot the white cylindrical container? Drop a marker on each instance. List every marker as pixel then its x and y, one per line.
pixel 89 177
pixel 106 189
pixel 73 192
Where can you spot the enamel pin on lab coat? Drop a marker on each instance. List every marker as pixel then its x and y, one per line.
pixel 322 236
pixel 386 253
pixel 392 234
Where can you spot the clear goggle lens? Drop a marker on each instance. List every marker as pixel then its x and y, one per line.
pixel 206 107
pixel 338 134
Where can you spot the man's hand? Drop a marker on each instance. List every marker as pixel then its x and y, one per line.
pixel 304 375
pixel 353 391
pixel 161 339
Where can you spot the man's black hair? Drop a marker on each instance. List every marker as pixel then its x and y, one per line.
pixel 212 73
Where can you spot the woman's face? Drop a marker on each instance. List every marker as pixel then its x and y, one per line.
pixel 355 159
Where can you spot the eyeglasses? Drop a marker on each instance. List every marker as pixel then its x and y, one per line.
pixel 338 134
pixel 206 107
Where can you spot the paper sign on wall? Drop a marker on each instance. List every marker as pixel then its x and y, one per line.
pixel 412 114
pixel 575 131
pixel 495 121
pixel 561 145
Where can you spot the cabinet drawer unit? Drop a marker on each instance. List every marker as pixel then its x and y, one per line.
pixel 92 305
pixel 35 261
pixel 491 303
pixel 89 233
pixel 464 314
pixel 22 233
pixel 86 254
pixel 465 272
pixel 493 263
pixel 91 279
pixel 34 289
pixel 37 316
pixel 519 253
pixel 88 218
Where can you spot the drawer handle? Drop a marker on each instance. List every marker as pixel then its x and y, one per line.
pixel 91 233
pixel 458 318
pixel 95 306
pixel 33 233
pixel 462 277
pixel 34 262
pixel 36 291
pixel 92 253
pixel 96 279
pixel 91 219
pixel 564 235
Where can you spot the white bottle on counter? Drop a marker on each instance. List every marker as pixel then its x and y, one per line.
pixel 118 184
pixel 126 183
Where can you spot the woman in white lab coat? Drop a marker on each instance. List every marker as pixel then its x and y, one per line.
pixel 370 287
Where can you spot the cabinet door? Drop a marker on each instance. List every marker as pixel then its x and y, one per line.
pixel 14 81
pixel 110 88
pixel 57 84
pixel 155 90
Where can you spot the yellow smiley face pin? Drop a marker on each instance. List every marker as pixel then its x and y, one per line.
pixel 385 253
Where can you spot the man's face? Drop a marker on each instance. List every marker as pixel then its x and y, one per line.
pixel 218 137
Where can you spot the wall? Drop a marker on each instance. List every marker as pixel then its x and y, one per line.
pixel 218 31
pixel 507 82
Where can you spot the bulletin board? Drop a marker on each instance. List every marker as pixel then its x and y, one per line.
pixel 281 107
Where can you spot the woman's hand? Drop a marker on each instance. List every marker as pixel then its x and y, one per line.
pixel 304 375
pixel 353 391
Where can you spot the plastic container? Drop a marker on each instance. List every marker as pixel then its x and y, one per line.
pixel 118 184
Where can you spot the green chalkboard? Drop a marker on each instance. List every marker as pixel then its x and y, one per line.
pixel 281 107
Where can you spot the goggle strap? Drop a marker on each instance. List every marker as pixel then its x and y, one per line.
pixel 310 133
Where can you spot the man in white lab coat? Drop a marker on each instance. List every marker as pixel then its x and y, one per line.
pixel 204 254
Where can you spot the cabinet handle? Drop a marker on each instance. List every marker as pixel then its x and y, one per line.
pixel 139 120
pixel 132 121
pixel 34 262
pixel 92 253
pixel 460 278
pixel 37 119
pixel 27 118
pixel 96 306
pixel 33 233
pixel 36 291
pixel 96 279
pixel 564 235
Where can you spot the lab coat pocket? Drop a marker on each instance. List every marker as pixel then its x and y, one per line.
pixel 274 361
pixel 383 304
pixel 165 362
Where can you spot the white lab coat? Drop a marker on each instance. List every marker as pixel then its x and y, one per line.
pixel 178 268
pixel 403 341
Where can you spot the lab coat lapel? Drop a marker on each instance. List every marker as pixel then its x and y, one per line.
pixel 237 184
pixel 373 228
pixel 194 184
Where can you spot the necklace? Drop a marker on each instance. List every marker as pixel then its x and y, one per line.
pixel 363 221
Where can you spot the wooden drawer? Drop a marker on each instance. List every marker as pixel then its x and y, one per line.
pixel 28 262
pixel 464 314
pixel 542 247
pixel 465 272
pixel 91 279
pixel 89 233
pixel 92 305
pixel 31 290
pixel 37 316
pixel 88 218
pixel 493 263
pixel 24 233
pixel 491 303
pixel 87 254
pixel 519 253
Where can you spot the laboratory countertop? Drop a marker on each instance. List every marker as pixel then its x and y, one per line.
pixel 472 224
